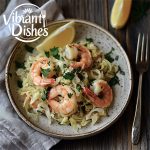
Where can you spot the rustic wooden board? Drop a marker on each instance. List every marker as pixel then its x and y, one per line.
pixel 118 136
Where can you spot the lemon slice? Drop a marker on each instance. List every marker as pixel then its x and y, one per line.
pixel 59 38
pixel 120 13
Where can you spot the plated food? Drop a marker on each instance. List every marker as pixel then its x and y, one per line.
pixel 70 91
pixel 70 85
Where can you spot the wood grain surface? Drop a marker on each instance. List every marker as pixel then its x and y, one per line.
pixel 118 136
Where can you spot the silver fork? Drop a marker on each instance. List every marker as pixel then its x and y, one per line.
pixel 142 63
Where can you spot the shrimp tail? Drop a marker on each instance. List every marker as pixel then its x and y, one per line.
pixel 91 95
pixel 86 58
pixel 77 65
pixel 36 73
pixel 44 82
pixel 97 101
pixel 50 81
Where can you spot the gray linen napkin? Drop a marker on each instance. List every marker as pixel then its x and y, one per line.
pixel 14 133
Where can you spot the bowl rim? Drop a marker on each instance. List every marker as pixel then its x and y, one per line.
pixel 81 135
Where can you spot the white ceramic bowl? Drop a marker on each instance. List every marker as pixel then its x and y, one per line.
pixel 105 41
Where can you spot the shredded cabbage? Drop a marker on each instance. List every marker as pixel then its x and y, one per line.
pixel 87 113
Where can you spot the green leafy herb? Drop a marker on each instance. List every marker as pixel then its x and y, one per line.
pixel 121 71
pixel 139 10
pixel 47 54
pixel 49 63
pixel 45 72
pixel 114 81
pixel 19 65
pixel 62 59
pixel 57 69
pixel 64 65
pixel 78 87
pixel 19 83
pixel 70 95
pixel 39 111
pixel 108 55
pixel 89 40
pixel 69 76
pixel 29 49
pixel 78 72
pixel 55 52
pixel 44 96
pixel 109 58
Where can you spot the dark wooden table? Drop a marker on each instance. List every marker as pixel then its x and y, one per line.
pixel 118 136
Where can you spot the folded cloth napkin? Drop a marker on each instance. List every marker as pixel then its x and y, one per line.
pixel 14 133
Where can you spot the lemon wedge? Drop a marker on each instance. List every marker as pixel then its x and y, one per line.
pixel 59 38
pixel 120 13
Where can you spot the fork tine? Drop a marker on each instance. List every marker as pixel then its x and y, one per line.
pixel 147 50
pixel 138 48
pixel 142 49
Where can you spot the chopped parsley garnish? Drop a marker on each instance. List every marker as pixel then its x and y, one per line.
pixel 49 63
pixel 109 58
pixel 19 65
pixel 78 87
pixel 39 111
pixel 45 72
pixel 64 65
pixel 62 58
pixel 114 81
pixel 108 55
pixel 57 69
pixel 89 40
pixel 19 83
pixel 70 95
pixel 69 76
pixel 29 49
pixel 44 96
pixel 47 54
pixel 121 71
pixel 55 52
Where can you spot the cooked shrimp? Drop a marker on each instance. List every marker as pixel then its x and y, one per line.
pixel 36 72
pixel 67 105
pixel 86 59
pixel 71 52
pixel 103 98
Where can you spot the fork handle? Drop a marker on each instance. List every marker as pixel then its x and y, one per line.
pixel 137 117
